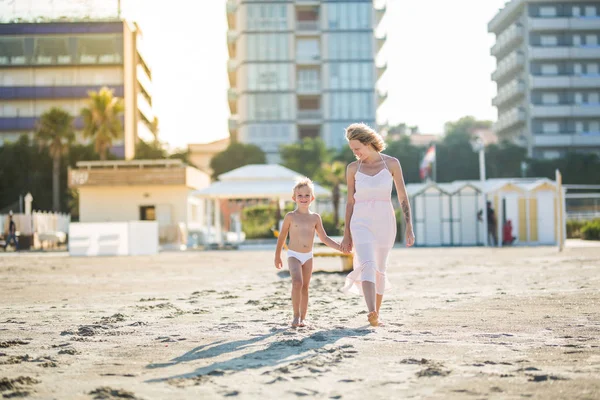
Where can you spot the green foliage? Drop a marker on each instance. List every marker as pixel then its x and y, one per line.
pixel 257 221
pixel 101 120
pixel 574 228
pixel 149 151
pixel 329 225
pixel 591 230
pixel 409 157
pixel 503 160
pixel 344 155
pixel 236 155
pixel 305 157
pixel 575 168
pixel 399 226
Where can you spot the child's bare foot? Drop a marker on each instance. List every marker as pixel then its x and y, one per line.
pixel 296 322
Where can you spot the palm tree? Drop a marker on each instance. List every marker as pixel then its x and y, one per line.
pixel 101 119
pixel 334 175
pixel 55 131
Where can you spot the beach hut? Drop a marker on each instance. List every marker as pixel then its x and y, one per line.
pixel 432 221
pixel 465 201
pixel 541 210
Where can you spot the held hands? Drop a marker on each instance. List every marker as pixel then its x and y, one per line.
pixel 410 236
pixel 278 262
pixel 346 245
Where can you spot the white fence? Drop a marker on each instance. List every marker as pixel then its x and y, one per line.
pixel 37 222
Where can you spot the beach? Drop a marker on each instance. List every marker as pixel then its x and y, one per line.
pixel 460 323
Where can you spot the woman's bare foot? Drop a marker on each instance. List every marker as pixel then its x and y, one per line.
pixel 296 322
pixel 373 318
pixel 302 323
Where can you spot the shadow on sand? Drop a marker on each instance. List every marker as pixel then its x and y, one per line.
pixel 276 353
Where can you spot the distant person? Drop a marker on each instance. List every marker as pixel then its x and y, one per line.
pixel 370 217
pixel 492 227
pixel 12 233
pixel 301 225
pixel 507 236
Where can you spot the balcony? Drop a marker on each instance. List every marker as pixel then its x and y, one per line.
pixel 309 87
pixel 380 41
pixel 232 97
pixel 233 123
pixel 567 139
pixel 308 58
pixel 381 70
pixel 565 110
pixel 564 81
pixel 308 2
pixel 231 11
pixel 310 27
pixel 564 52
pixel 381 97
pixel 560 24
pixel 509 119
pixel 53 92
pixel 509 92
pixel 508 66
pixel 309 116
pixel 231 41
pixel 379 14
pixel 507 40
pixel 232 72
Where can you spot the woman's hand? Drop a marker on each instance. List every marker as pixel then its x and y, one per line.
pixel 409 235
pixel 346 244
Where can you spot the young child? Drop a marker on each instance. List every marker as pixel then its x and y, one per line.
pixel 301 224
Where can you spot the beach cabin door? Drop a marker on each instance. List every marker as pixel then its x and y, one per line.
pixel 546 215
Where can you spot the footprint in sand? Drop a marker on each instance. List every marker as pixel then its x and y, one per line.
pixel 106 392
pixel 16 387
pixel 11 343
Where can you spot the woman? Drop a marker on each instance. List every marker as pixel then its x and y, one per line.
pixel 370 218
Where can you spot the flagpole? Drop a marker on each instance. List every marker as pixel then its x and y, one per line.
pixel 435 163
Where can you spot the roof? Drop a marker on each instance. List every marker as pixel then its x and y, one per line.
pixel 257 181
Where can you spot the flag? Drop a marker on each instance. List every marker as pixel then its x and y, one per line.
pixel 427 162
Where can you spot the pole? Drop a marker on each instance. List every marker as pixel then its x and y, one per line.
pixel 435 163
pixel 559 213
pixel 483 199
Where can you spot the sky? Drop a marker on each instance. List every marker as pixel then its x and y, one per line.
pixel 437 53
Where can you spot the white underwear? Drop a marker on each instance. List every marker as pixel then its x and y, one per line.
pixel 302 257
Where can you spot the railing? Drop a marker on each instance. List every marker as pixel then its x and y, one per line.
pixel 309 114
pixel 309 86
pixel 307 25
pixel 308 57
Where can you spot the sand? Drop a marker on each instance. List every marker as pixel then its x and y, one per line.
pixel 466 323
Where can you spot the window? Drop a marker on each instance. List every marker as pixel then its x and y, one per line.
pixel 548 40
pixel 592 69
pixel 547 11
pixel 268 76
pixel 350 45
pixel 594 127
pixel 576 40
pixel 269 136
pixel 549 69
pixel 267 17
pixel 576 11
pixel 349 16
pixel 593 98
pixel 550 98
pixel 147 213
pixel 578 127
pixel 591 40
pixel 308 79
pixel 577 69
pixel 358 105
pixel 269 107
pixel 578 98
pixel 551 127
pixel 590 11
pixel 268 47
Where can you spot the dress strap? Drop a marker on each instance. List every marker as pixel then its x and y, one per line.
pixel 384 164
pixel 359 162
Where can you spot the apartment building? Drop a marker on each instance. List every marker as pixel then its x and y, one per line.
pixel 55 64
pixel 548 75
pixel 303 68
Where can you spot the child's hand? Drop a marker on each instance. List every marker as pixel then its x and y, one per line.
pixel 278 263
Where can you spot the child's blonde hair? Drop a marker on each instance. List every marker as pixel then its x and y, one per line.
pixel 302 182
pixel 366 135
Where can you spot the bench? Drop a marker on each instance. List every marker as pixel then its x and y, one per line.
pixel 347 264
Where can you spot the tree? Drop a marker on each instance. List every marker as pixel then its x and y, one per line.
pixel 149 151
pixel 305 157
pixel 334 175
pixel 409 157
pixel 55 131
pixel 101 119
pixel 236 155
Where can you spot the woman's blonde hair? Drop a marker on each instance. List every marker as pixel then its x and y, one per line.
pixel 366 135
pixel 302 182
